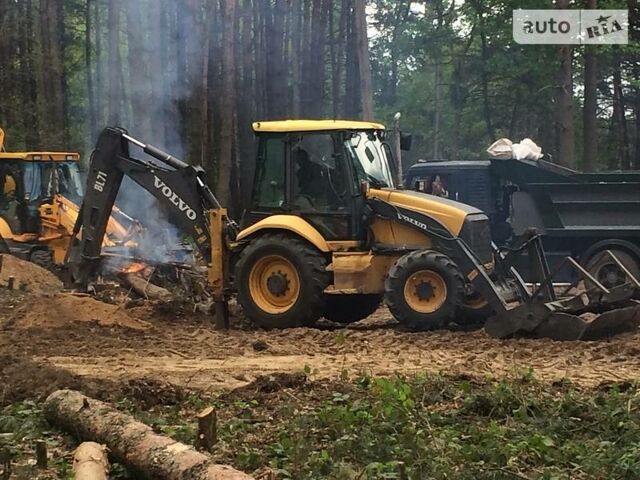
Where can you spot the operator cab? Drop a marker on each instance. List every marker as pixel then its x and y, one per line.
pixel 315 169
pixel 31 180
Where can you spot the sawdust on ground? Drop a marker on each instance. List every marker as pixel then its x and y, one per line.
pixel 93 340
pixel 66 310
pixel 196 356
pixel 28 276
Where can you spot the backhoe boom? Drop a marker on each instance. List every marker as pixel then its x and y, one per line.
pixel 179 187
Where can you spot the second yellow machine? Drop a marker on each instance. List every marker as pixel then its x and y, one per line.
pixel 327 234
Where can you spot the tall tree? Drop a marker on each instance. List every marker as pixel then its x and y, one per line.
pixel 115 65
pixel 364 66
pixel 619 127
pixel 590 109
pixel 227 102
pixel 88 66
pixel 564 102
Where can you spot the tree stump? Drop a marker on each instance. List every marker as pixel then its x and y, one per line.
pixel 207 429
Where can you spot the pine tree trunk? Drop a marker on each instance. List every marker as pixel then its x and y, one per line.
pixel 115 64
pixel 353 102
pixel 636 73
pixel 564 102
pixel 364 66
pixel 484 74
pixel 100 81
pixel 226 104
pixel 589 114
pixel 276 73
pixel 88 66
pixel 30 92
pixel 622 131
pixel 157 69
pixel 138 75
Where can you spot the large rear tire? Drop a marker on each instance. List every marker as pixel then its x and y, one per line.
pixel 350 308
pixel 280 281
pixel 608 272
pixel 424 290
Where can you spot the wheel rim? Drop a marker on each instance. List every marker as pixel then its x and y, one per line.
pixel 274 284
pixel 475 302
pixel 425 291
pixel 611 275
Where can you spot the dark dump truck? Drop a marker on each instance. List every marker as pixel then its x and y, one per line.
pixel 581 215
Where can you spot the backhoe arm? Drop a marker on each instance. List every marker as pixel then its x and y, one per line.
pixel 179 187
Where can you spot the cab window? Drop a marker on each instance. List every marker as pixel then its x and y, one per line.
pixel 320 177
pixel 270 174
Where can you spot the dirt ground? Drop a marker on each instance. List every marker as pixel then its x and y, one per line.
pixel 51 339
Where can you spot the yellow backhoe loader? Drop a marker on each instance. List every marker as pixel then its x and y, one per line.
pixel 39 197
pixel 327 234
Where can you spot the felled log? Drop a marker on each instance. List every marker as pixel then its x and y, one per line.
pixel 143 287
pixel 90 462
pixel 132 443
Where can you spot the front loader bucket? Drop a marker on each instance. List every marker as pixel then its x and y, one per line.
pixel 586 314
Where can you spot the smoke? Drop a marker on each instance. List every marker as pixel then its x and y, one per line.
pixel 162 68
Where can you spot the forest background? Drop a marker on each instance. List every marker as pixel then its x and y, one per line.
pixel 191 75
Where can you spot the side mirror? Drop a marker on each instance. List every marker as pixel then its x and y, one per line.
pixel 405 141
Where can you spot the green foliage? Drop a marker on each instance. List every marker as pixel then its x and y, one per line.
pixel 21 424
pixel 437 427
pixel 458 62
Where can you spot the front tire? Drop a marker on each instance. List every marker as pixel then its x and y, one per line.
pixel 350 308
pixel 424 290
pixel 280 281
pixel 43 258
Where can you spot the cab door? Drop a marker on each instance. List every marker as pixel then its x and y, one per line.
pixel 305 174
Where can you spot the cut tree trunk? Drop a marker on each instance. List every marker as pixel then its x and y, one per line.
pixel 90 462
pixel 132 443
pixel 143 287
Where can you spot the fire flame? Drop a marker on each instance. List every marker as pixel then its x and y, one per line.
pixel 135 267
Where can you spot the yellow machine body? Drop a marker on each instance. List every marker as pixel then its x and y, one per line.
pixel 357 270
pixel 57 214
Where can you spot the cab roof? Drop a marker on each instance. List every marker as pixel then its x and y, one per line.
pixel 285 126
pixel 41 156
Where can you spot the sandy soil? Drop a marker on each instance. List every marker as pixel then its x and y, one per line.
pixel 90 340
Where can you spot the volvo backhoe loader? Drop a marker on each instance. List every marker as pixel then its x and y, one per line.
pixel 327 234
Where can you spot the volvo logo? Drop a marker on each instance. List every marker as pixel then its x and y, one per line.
pixel 174 198
pixel 412 221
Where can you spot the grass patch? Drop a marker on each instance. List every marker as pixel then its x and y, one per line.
pixel 415 427
pixel 437 427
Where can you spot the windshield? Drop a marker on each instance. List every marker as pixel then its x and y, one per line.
pixel 370 159
pixel 61 178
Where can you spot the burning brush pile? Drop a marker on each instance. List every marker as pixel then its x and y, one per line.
pixel 181 284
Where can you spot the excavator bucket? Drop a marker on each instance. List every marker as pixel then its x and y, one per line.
pixel 577 313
